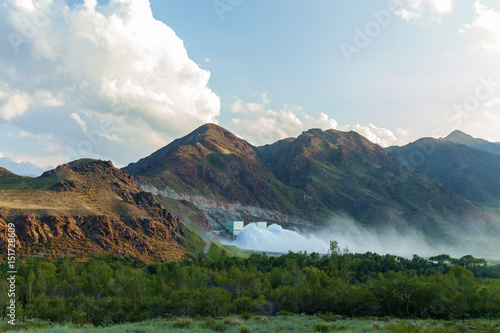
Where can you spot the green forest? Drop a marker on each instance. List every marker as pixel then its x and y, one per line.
pixel 106 290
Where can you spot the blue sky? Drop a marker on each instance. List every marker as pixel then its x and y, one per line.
pixel 290 50
pixel 263 69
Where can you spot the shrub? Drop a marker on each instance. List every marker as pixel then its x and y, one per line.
pixel 321 327
pixel 246 315
pixel 78 317
pixel 245 329
pixel 183 323
pixel 339 328
pixel 217 326
pixel 329 316
pixel 399 326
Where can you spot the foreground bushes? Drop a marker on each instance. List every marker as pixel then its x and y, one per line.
pixel 109 290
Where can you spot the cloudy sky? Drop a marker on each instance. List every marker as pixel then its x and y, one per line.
pixel 119 79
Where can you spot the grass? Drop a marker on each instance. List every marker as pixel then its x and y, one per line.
pixel 217 249
pixel 294 323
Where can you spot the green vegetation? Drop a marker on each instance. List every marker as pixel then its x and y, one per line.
pixel 263 324
pixel 109 290
pixel 470 172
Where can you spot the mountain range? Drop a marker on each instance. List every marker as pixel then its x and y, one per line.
pixel 317 178
pixel 21 168
pixel 469 167
pixel 468 140
pixel 440 188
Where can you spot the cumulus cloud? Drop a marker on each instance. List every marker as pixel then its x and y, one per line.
pixel 261 125
pixel 79 121
pixel 417 9
pixel 485 29
pixel 46 98
pixel 380 136
pixel 237 106
pixel 124 78
pixel 16 105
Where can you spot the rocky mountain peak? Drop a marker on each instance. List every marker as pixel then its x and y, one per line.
pixel 458 136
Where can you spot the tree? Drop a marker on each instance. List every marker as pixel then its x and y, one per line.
pixel 218 301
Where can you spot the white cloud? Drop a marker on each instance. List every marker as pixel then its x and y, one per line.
pixel 263 126
pixel 380 136
pixel 265 100
pixel 16 105
pixel 113 138
pixel 46 98
pixel 417 9
pixel 408 15
pixel 493 102
pixel 1 155
pixel 266 126
pixel 41 162
pixel 79 121
pixel 255 107
pixel 237 106
pixel 111 62
pixel 485 29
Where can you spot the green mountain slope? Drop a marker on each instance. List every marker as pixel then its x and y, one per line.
pixel 472 173
pixel 466 139
pixel 317 176
pixel 349 174
pixel 214 164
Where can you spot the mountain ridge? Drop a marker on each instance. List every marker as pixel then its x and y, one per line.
pixel 89 206
pixel 471 172
pixel 458 136
pixel 317 176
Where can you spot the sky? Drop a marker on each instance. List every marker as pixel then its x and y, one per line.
pixel 119 79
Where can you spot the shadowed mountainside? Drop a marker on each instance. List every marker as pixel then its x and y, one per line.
pixel 468 140
pixel 317 176
pixel 472 173
pixel 213 163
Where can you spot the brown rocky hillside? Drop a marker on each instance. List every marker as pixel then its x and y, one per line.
pixel 89 206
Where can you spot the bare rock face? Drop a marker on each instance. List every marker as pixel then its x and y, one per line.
pixel 31 230
pixel 4 234
pixel 63 226
pixel 106 213
pixel 67 185
pixel 41 229
pixel 108 233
